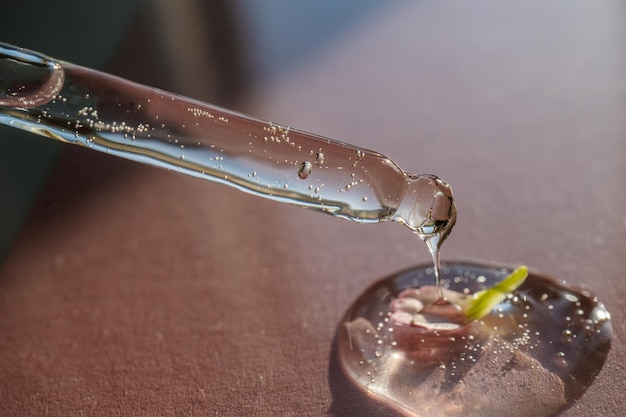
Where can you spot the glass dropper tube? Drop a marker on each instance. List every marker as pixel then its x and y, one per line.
pixel 72 104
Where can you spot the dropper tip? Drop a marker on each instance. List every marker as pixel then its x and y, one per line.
pixel 428 208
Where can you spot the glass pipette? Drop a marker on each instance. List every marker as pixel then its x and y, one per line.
pixel 73 104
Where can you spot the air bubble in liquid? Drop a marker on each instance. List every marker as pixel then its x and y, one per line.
pixel 526 356
pixel 304 170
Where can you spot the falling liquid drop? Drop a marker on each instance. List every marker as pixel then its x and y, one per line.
pixel 436 363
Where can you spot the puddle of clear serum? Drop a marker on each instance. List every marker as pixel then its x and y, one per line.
pixel 532 356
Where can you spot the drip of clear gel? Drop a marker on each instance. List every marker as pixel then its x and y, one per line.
pixel 77 105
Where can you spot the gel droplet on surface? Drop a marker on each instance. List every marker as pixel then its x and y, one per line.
pixel 523 359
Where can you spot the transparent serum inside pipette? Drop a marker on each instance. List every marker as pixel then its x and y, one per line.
pixel 73 104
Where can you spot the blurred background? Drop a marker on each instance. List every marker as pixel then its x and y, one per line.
pixel 124 287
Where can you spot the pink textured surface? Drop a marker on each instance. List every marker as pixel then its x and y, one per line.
pixel 134 291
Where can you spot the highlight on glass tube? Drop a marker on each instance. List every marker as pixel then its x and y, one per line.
pixel 77 105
